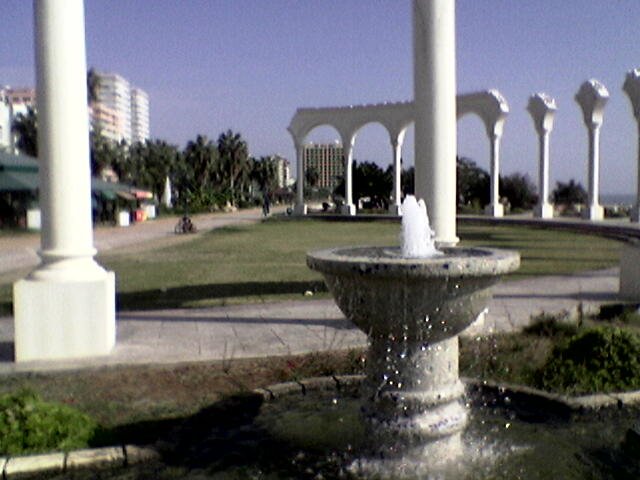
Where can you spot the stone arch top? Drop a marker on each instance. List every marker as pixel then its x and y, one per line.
pixel 394 117
pixel 489 105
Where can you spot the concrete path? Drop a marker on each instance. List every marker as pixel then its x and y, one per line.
pixel 244 331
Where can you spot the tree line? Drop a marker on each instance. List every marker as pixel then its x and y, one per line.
pixel 517 190
pixel 205 175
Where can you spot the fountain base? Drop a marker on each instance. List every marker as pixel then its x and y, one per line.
pixel 413 397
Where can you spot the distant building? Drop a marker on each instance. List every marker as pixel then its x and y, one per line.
pixel 13 101
pixel 106 120
pixel 327 160
pixel 283 171
pixel 139 115
pixel 130 105
pixel 120 112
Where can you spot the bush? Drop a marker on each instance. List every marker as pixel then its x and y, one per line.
pixel 598 359
pixel 30 425
pixel 548 325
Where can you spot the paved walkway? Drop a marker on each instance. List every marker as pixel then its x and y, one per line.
pixel 243 331
pixel 21 251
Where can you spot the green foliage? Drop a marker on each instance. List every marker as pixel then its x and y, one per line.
pixel 369 180
pixel 472 184
pixel 519 191
pixel 29 425
pixel 25 127
pixel 569 194
pixel 547 325
pixel 598 359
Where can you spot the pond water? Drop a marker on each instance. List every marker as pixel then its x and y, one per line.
pixel 319 436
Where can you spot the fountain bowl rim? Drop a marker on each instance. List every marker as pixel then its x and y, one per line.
pixel 378 260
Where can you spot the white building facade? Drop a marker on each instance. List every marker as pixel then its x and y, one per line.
pixel 130 104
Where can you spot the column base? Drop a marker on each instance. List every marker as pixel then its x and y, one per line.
pixel 544 210
pixel 494 210
pixel 593 212
pixel 395 210
pixel 300 209
pixel 64 319
pixel 348 209
pixel 630 272
pixel 635 213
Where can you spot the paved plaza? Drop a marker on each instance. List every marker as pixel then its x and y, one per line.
pixel 292 327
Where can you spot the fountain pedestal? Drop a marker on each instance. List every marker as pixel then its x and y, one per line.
pixel 413 309
pixel 414 398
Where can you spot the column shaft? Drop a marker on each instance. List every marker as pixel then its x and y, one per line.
pixel 63 135
pixel 397 177
pixel 435 113
pixel 300 206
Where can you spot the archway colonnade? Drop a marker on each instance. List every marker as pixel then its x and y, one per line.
pixel 492 108
pixel 396 118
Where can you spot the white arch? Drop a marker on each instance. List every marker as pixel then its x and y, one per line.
pixel 396 117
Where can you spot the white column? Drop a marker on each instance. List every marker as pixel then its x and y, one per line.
pixel 300 207
pixel 396 193
pixel 347 144
pixel 632 89
pixel 542 108
pixel 592 98
pixel 435 113
pixel 66 307
pixel 495 208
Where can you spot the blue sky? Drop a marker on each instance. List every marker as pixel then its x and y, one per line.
pixel 210 65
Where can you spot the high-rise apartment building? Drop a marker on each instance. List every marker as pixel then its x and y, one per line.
pixel 139 115
pixel 328 162
pixel 130 104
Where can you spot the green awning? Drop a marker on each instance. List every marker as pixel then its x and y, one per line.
pixel 18 181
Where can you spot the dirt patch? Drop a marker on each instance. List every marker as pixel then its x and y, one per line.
pixel 123 395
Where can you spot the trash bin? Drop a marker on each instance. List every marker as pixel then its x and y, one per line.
pixel 123 218
pixel 139 215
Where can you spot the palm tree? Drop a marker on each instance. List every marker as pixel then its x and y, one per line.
pixel 93 85
pixel 25 128
pixel 264 172
pixel 202 156
pixel 234 155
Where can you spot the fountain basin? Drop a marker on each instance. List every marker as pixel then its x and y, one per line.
pixel 412 310
pixel 425 299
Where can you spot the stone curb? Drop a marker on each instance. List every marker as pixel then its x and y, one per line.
pixel 516 393
pixel 27 465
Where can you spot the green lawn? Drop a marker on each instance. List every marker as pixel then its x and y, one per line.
pixel 266 261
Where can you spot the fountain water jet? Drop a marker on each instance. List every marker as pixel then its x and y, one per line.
pixel 412 309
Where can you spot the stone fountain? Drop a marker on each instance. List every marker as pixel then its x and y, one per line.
pixel 413 309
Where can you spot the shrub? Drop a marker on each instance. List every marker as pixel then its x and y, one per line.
pixel 29 425
pixel 598 359
pixel 549 325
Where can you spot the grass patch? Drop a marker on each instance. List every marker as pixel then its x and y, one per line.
pixel 266 261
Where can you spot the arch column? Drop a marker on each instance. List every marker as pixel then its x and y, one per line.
pixel 495 208
pixel 632 88
pixel 66 307
pixel 434 56
pixel 592 98
pixel 300 207
pixel 347 147
pixel 396 192
pixel 542 108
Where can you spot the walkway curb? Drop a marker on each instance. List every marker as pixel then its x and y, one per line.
pixel 106 457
